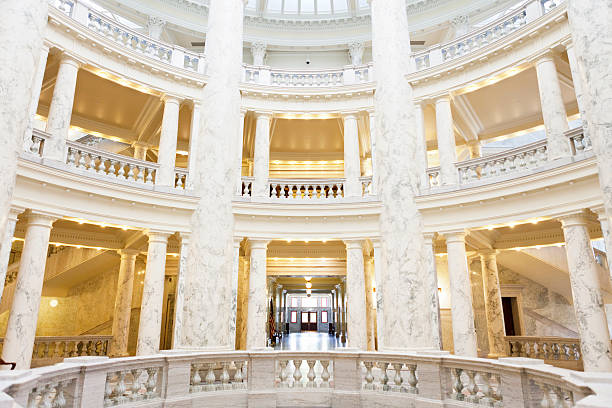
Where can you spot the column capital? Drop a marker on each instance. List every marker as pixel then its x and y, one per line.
pixel 376 243
pixel 429 237
pixel 442 99
pixel 184 237
pixel 70 59
pixel 128 253
pixel 349 115
pixel 579 218
pixel 170 98
pixel 243 112
pixel 40 218
pixel 14 213
pixel 263 115
pixel 194 103
pixel 158 236
pixel 258 243
pixel 600 211
pixel 353 244
pixel 454 236
pixel 486 254
pixel 544 56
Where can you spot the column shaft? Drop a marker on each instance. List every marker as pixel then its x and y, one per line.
pixel 553 108
pixel 140 151
pixel 123 304
pixel 586 292
pixel 421 145
pixel 60 112
pixel 447 150
pixel 433 303
pixel 36 89
pixel 23 316
pixel 179 302
pixel 23 26
pixel 234 288
pixel 257 319
pixel 577 81
pixel 606 231
pixel 239 148
pixel 352 167
pixel 5 247
pixel 464 333
pixel 193 141
pixel 372 115
pixel 355 296
pixel 167 143
pixel 149 329
pixel 261 159
pixel 493 304
pixel 380 302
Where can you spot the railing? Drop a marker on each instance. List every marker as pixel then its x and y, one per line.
pixel 241 379
pixel 36 144
pixel 367 188
pixel 180 178
pixel 308 79
pixel 53 349
pixel 558 351
pixel 306 189
pixel 433 175
pixel 116 166
pixel 489 34
pixel 579 141
pixel 246 188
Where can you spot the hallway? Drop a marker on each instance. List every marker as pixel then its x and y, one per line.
pixel 309 341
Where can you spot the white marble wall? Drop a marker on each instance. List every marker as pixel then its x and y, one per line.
pixel 149 327
pixel 257 319
pixel 464 333
pixel 493 305
pixel 60 111
pixel 586 292
pixel 123 303
pixel 397 179
pixel 590 25
pixel 352 166
pixel 211 250
pixel 167 142
pixel 356 321
pixel 23 316
pixel 261 155
pixel 447 149
pixel 553 108
pixel 21 34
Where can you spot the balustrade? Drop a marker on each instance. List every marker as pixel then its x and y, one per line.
pixel 299 373
pixel 59 393
pixel 130 385
pixel 558 351
pixel 552 394
pixel 215 375
pixel 390 376
pixel 367 188
pixel 475 386
pixel 306 189
pixel 308 79
pixel 180 178
pixel 246 189
pixel 52 349
pixel 36 144
pixel 65 6
pixel 579 141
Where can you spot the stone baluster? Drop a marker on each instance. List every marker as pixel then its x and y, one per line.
pixel 369 378
pixel 325 374
pixel 457 386
pixel 397 379
pixel 311 374
pixel 412 379
pixel 135 390
pixel 238 377
pixel 384 378
pixel 196 379
pixel 297 374
pixel 283 374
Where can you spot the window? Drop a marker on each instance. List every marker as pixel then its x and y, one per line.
pixel 294 302
pixel 324 316
pixel 294 317
pixel 309 302
pixel 304 317
pixel 324 302
pixel 313 317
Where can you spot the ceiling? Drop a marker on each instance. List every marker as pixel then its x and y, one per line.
pixel 306 8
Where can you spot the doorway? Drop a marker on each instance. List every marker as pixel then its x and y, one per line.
pixel 309 321
pixel 512 322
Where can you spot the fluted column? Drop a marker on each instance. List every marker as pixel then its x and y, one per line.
pixel 257 320
pixel 123 303
pixel 179 302
pixel 23 316
pixel 398 179
pixel 589 23
pixel 355 296
pixel 239 149
pixel 352 167
pixel 421 146
pixel 209 270
pixel 196 114
pixel 464 333
pixel 493 304
pixel 36 89
pixel 380 302
pixel 234 295
pixel 433 305
pixel 167 142
pixel 586 292
pixel 6 244
pixel 60 111
pixel 372 116
pixel 149 329
pixel 23 27
pixel 261 159
pixel 447 150
pixel 553 108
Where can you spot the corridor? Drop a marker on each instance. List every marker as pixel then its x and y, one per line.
pixel 309 341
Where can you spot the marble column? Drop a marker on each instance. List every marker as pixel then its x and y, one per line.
pixel 576 79
pixel 123 303
pixel 588 302
pixel 352 166
pixel 372 117
pixel 211 249
pixel 464 332
pixel 239 149
pixel 140 150
pixel 234 295
pixel 257 320
pixel 433 305
pixel 277 305
pixel 553 108
pixel 196 113
pixel 6 244
pixel 23 316
pixel 337 310
pixel 398 179
pixel 179 302
pixel 447 149
pixel 36 89
pixel 355 296
pixel 421 145
pixel 149 329
pixel 493 304
pixel 23 27
pixel 380 302
pixel 588 22
pixel 261 155
pixel 167 142
pixel 606 231
pixel 370 299
pixel 60 111
pixel 474 148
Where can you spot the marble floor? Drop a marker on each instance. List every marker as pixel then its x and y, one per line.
pixel 309 341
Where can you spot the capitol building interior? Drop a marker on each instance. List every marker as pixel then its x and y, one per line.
pixel 306 203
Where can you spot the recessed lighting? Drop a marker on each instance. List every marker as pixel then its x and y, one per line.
pixel 53 303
